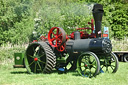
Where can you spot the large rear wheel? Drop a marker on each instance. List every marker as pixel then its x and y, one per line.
pixel 39 58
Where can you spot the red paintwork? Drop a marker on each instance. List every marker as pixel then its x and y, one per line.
pixel 105 35
pixel 61 48
pixel 35 59
pixel 84 34
pixel 56 37
pixel 43 38
pixel 85 65
pixel 34 41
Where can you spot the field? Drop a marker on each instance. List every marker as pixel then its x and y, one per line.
pixel 11 76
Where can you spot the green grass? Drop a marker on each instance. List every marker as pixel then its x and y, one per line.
pixel 11 76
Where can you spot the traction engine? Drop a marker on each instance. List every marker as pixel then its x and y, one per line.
pixel 89 53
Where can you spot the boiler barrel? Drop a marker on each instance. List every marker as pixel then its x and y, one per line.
pixel 96 45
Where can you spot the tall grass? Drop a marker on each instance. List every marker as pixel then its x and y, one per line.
pixel 7 52
pixel 120 45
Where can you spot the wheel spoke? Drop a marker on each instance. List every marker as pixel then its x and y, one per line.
pixel 38 50
pixel 107 69
pixel 94 67
pixel 112 61
pixel 81 66
pixel 59 40
pixel 86 58
pixel 111 67
pixel 56 43
pixel 42 62
pixel 53 33
pixel 71 63
pixel 83 60
pixel 102 67
pixel 90 73
pixel 35 67
pixel 93 62
pixel 31 63
pixel 41 56
pixel 30 56
pixel 33 49
pixel 53 39
pixel 84 71
pixel 57 32
pixel 60 35
pixel 39 66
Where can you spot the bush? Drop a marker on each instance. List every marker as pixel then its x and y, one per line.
pixel 17 25
pixel 15 21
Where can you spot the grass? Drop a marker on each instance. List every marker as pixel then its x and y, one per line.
pixel 120 45
pixel 11 76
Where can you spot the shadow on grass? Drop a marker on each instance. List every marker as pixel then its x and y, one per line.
pixel 19 72
pixel 74 72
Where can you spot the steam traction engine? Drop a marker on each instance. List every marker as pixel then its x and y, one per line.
pixel 88 53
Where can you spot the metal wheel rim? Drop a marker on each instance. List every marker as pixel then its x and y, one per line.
pixel 109 63
pixel 56 38
pixel 88 66
pixel 35 59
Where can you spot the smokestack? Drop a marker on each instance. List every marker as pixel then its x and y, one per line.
pixel 97 14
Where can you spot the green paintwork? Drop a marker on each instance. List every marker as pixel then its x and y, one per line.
pixel 31 65
pixel 19 58
pixel 61 60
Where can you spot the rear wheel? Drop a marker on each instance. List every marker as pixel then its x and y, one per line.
pixel 39 58
pixel 109 63
pixel 88 64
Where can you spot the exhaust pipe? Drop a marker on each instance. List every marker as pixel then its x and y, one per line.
pixel 97 14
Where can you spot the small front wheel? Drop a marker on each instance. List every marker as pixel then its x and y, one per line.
pixel 88 64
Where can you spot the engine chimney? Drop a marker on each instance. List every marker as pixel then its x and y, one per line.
pixel 97 14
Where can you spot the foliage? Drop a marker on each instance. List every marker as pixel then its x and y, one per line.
pixel 116 14
pixel 18 25
pixel 15 21
pixel 66 15
pixel 7 52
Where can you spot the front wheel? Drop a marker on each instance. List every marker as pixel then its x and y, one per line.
pixel 109 63
pixel 88 64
